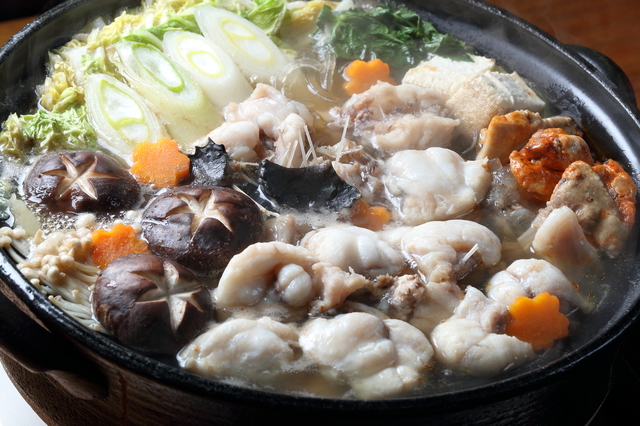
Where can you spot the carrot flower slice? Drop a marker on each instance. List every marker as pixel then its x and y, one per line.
pixel 361 75
pixel 161 163
pixel 537 321
pixel 119 241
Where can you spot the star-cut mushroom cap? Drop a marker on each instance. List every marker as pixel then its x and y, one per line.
pixel 81 181
pixel 173 290
pixel 201 227
pixel 150 303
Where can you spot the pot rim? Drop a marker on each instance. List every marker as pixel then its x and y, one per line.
pixel 102 345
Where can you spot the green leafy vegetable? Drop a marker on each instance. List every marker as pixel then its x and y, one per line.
pixel 144 36
pixel 394 34
pixel 92 65
pixel 239 7
pixel 47 131
pixel 70 98
pixel 268 15
pixel 156 15
pixel 98 64
pixel 177 23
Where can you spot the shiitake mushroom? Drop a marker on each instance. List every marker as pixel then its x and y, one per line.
pixel 81 181
pixel 151 304
pixel 201 227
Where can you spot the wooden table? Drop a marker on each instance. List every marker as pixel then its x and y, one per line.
pixel 9 28
pixel 608 26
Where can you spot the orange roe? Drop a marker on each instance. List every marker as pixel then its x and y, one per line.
pixel 370 217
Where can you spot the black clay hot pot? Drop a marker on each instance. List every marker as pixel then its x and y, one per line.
pixel 74 376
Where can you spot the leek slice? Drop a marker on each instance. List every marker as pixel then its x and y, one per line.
pixel 210 66
pixel 256 55
pixel 119 115
pixel 188 114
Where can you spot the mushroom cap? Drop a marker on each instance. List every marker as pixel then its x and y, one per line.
pixel 151 304
pixel 201 227
pixel 81 181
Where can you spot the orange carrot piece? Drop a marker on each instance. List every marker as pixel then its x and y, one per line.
pixel 119 241
pixel 538 320
pixel 366 216
pixel 161 163
pixel 361 75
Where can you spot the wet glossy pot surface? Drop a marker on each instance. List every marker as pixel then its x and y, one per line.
pixel 75 376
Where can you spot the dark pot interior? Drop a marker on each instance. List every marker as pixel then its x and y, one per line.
pixel 85 378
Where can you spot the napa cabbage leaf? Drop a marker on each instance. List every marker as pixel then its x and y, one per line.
pixel 46 131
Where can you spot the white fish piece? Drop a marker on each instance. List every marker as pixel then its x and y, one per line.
pixel 531 277
pixel 562 241
pixel 267 114
pixel 284 281
pixel 469 341
pixel 259 351
pixel 337 285
pixel 434 184
pixel 393 236
pixel 241 140
pixel 394 118
pixel 281 228
pixel 354 248
pixel 378 358
pixel 423 305
pixel 443 250
pixel 362 175
pixel 272 270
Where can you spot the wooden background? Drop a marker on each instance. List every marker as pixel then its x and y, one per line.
pixel 9 28
pixel 611 27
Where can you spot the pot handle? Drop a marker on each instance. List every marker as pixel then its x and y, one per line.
pixel 46 352
pixel 610 70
